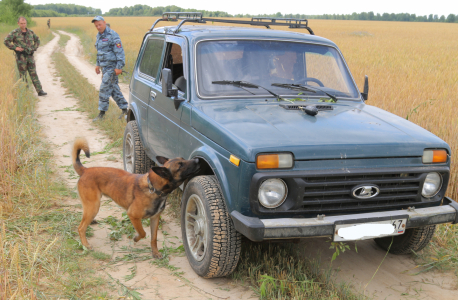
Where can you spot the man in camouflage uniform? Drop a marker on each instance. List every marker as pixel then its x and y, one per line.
pixel 25 42
pixel 110 58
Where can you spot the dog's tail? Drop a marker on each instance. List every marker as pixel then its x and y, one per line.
pixel 78 145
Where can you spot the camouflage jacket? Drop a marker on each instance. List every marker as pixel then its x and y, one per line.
pixel 29 43
pixel 109 49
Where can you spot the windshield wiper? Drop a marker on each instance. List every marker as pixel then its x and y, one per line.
pixel 245 84
pixel 306 88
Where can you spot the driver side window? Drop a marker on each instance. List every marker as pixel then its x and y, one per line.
pixel 173 60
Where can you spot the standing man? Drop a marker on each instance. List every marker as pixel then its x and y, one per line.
pixel 25 42
pixel 49 23
pixel 110 58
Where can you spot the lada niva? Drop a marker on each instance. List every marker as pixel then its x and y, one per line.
pixel 287 146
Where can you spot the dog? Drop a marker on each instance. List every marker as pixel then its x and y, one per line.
pixel 142 195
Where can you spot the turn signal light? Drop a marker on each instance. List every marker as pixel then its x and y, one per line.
pixel 434 156
pixel 235 160
pixel 274 161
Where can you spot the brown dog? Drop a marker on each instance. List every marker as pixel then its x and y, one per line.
pixel 143 196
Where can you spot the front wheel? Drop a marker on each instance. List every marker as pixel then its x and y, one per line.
pixel 134 155
pixel 211 243
pixel 414 239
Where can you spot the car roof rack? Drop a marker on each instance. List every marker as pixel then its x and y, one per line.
pixel 196 17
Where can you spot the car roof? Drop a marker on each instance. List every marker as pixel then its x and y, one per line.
pixel 199 32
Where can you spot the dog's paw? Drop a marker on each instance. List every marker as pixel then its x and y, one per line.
pixel 94 222
pixel 88 247
pixel 137 238
pixel 157 255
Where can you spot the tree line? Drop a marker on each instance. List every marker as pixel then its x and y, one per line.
pixel 145 10
pixel 65 9
pixel 10 10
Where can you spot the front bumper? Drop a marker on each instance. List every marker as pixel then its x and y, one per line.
pixel 286 228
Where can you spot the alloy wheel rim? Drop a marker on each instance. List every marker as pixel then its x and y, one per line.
pixel 196 227
pixel 129 153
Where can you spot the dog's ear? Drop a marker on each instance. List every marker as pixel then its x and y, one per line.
pixel 162 160
pixel 163 172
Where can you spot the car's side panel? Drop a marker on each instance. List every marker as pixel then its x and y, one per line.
pixel 193 144
pixel 140 97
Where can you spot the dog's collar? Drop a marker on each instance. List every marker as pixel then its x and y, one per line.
pixel 152 190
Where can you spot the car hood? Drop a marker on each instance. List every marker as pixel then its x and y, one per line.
pixel 347 131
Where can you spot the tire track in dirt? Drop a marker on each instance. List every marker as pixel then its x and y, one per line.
pixel 61 124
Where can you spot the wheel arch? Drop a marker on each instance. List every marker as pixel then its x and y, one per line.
pixel 211 165
pixel 132 112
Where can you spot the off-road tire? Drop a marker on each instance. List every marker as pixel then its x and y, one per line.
pixel 414 239
pixel 141 162
pixel 223 242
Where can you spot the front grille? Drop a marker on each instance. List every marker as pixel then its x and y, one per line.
pixel 331 194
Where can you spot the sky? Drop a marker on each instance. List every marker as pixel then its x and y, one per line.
pixel 317 7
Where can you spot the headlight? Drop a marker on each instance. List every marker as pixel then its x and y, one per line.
pixel 272 192
pixel 432 185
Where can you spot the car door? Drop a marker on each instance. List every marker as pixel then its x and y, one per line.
pixel 146 81
pixel 163 117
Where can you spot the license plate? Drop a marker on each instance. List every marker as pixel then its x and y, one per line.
pixel 364 231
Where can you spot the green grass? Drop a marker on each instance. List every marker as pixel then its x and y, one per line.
pixel 442 253
pixel 275 271
pixel 63 40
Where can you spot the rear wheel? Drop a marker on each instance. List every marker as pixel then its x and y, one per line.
pixel 211 243
pixel 134 155
pixel 414 239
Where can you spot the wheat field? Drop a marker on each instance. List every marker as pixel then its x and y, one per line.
pixel 411 66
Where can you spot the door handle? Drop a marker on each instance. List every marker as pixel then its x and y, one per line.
pixel 153 94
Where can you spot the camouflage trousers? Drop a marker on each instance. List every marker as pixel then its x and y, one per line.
pixel 27 63
pixel 110 87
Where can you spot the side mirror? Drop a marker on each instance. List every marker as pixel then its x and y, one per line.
pixel 166 82
pixel 366 88
pixel 167 88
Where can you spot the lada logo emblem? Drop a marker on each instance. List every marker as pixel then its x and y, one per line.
pixel 365 191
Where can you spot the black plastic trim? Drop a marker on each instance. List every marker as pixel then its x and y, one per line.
pixel 454 205
pixel 252 228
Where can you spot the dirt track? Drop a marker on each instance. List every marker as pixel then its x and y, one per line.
pixel 391 281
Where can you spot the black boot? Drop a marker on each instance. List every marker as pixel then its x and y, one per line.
pixel 123 113
pixel 42 93
pixel 101 116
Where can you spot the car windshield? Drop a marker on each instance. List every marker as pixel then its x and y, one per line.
pixel 264 63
